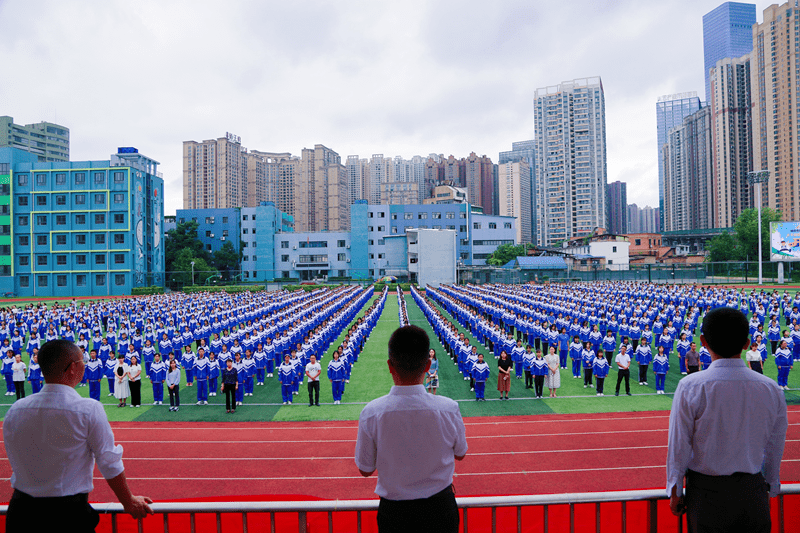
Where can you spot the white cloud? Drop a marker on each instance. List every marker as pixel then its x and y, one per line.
pixel 360 77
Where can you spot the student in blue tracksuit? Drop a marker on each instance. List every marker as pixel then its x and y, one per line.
pixel 336 373
pixel 705 358
pixel 187 362
pixel 563 347
pixel 480 373
pixel 540 371
pixel 527 364
pixel 260 357
pixel 472 359
pixel 108 369
pixel 287 376
pixel 8 373
pixel 609 345
pixel 587 359
pixel 683 348
pixel 595 338
pixel 644 356
pixel 600 369
pixel 35 374
pixel 660 369
pixel 575 351
pixel 269 349
pixel 238 364
pixel 517 354
pixel 94 374
pixel 201 375
pixel 250 371
pixel 157 375
pixel 784 361
pixel 148 356
pixel 213 373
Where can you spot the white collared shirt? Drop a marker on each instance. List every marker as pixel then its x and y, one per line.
pixel 724 420
pixel 52 440
pixel 411 438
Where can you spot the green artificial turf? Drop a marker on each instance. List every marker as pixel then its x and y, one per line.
pixel 371 379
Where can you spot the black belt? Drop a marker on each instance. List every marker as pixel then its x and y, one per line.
pixel 444 493
pixel 706 481
pixel 75 498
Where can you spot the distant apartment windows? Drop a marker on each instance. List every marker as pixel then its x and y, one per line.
pixel 41 220
pixel 381 215
pixel 209 220
pixel 99 238
pixel 394 230
pixel 372 256
pixel 119 198
pixel 394 216
pixel 451 214
pixel 80 238
pixel 224 220
pixel 99 178
pixel 119 238
pixel 119 259
pixel 80 220
pixel 61 260
pixel 422 216
pixel 42 280
pixel 100 199
pixel 340 243
pixel 253 218
pixel 61 239
pixel 41 260
pixel 41 180
pixel 437 226
pixel 99 218
pixel 41 200
pixel 80 259
pixel 613 250
pixel 23 240
pixel 41 240
pixel 22 180
pixel 284 258
pixel 408 216
pixel 80 178
pixel 244 231
pixel 80 199
pixel 381 228
pixel 181 220
pixel 476 225
pixel 492 225
pixel 23 260
pixel 507 225
pixel 119 177
pixel 22 201
pixel 24 281
pixel 246 258
pixel 99 259
pixel 100 280
pixel 119 279
pixel 380 256
pixel 80 280
pixel 224 233
pixel 341 257
pixel 284 244
pixel 371 214
pixel 208 233
pixel 436 215
pixel 119 218
pixel 244 217
pixel 61 199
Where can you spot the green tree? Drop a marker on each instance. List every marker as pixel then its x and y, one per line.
pixel 724 247
pixel 505 253
pixel 746 227
pixel 182 237
pixel 182 268
pixel 227 260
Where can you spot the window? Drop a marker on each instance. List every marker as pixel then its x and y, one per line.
pixel 80 238
pixel 492 225
pixel 371 214
pixel 462 215
pixel 381 242
pixel 408 216
pixel 22 201
pixel 342 257
pixel 380 256
pixel 100 199
pixel 209 220
pixel 61 179
pixel 254 231
pixel 119 177
pixel 284 258
pixel 371 228
pixel 436 215
pixel 613 250
pixel 451 214
pixel 610 262
pixel 119 198
pixel 80 259
pixel 224 220
pixel 80 178
pixel 99 279
pixel 22 180
pixel 61 199
pixel 476 225
pixel 284 244
pixel 99 259
pixel 99 218
pixel 422 216
pixel 99 238
pixel 370 242
pixel 23 220
pixel 80 199
pixel 61 240
pixel 23 260
pixel 23 240
pixel 80 219
pixel 244 231
pixel 119 218
pixel 507 225
pixel 381 215
pixel 99 178
pixel 61 280
pixel 24 281
pixel 41 260
pixel 80 280
pixel 254 217
pixel 208 233
pixel 119 279
pixel 394 216
pixel 119 238
pixel 41 240
pixel 244 217
pixel 255 258
pixel 42 280
pixel 41 179
pixel 224 233
pixel 41 200
pixel 41 220
pixel 246 258
pixel 437 226
pixel 61 260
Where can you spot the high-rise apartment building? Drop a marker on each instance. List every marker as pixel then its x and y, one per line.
pixel 730 105
pixel 617 203
pixel 670 112
pixel 642 219
pixel 263 169
pixel 571 173
pixel 321 197
pixel 727 32
pixel 50 142
pixel 523 150
pixel 775 78
pixel 479 178
pixel 688 169
pixel 514 192
pixel 356 174
pixel 215 173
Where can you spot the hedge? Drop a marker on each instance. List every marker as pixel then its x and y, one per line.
pixel 393 287
pixel 144 291
pixel 230 289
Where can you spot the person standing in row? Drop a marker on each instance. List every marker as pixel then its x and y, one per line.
pixel 504 375
pixel 480 373
pixel 587 358
pixel 135 375
pixel 121 388
pixel 157 375
pixel 230 382
pixel 173 385
pixel 692 359
pixel 660 369
pixel 600 368
pixel 623 361
pixel 287 377
pixel 540 371
pixel 94 375
pixel 35 374
pixel 553 374
pixel 753 357
pixel 432 376
pixel 313 370
pixel 18 375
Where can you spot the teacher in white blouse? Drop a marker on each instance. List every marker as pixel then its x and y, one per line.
pixel 53 440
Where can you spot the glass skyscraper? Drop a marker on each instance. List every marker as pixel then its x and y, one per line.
pixel 727 32
pixel 670 111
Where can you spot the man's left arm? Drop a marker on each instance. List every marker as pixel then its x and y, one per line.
pixel 366 452
pixel 679 446
pixel 773 452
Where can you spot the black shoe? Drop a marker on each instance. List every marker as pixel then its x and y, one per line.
pixel 629 394
pixel 311 405
pixel 616 394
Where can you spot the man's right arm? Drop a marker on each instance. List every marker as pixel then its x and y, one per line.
pixel 679 444
pixel 773 451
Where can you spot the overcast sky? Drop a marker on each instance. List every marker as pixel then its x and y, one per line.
pixel 398 78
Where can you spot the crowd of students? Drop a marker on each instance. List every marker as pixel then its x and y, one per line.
pixel 154 337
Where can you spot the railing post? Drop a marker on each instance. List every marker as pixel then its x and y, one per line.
pixel 192 525
pixel 244 522
pixel 571 518
pixel 780 514
pixel 166 523
pixel 624 517
pixel 301 522
pixel 114 523
pixel 652 516
pixel 494 519
pixel 597 517
pixel 519 519
pixel 219 522
pixel 140 525
pixel 546 525
pixel 466 525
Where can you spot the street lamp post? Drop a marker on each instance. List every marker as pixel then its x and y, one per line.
pixel 192 273
pixel 757 178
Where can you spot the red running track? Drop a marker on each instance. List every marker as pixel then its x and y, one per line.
pixel 507 455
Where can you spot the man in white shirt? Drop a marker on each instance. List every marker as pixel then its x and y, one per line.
pixel 52 440
pixel 413 439
pixel 727 426
pixel 623 361
pixel 313 370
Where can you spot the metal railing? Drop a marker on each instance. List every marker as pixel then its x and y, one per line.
pixel 302 509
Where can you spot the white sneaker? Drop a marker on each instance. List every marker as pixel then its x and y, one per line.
pixel 472 390
pixel 585 386
pixel 599 394
pixel 284 403
pixel 290 403
pixel 347 381
pixel 199 403
pixel 645 383
pixel 205 403
pixel 155 403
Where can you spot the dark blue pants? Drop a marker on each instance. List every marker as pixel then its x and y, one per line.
pixel 94 390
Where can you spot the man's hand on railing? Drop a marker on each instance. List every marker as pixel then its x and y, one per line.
pixel 138 506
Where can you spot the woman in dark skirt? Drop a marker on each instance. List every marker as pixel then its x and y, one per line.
pixel 504 375
pixel 230 382
pixel 135 377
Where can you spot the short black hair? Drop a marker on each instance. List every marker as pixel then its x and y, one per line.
pixel 725 330
pixel 54 356
pixel 408 351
